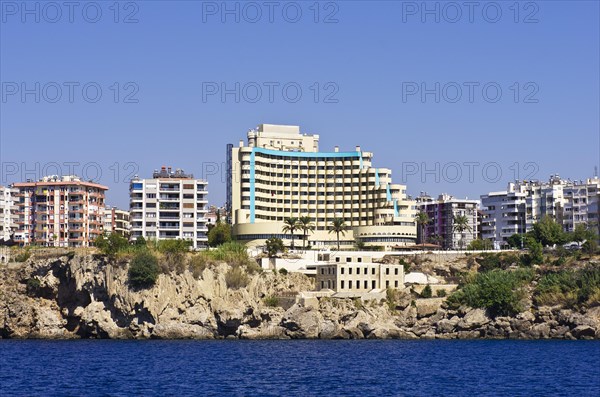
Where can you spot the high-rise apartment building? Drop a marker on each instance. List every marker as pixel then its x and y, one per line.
pixel 59 212
pixel 8 212
pixel 170 205
pixel 524 203
pixel 442 213
pixel 116 220
pixel 281 173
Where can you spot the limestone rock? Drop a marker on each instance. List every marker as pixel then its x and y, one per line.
pixel 427 307
pixel 474 318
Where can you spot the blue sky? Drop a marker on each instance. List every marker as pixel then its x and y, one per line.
pixel 369 65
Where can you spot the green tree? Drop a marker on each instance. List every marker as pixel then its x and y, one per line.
pixel 515 241
pixel 581 234
pixel 290 225
pixel 590 247
pixel 219 234
pixel 501 292
pixel 143 270
pixel 535 256
pixel 422 221
pixel 338 225
pixel 306 225
pixel 460 224
pixel 437 240
pixel 111 244
pixel 273 246
pixel 140 241
pixel 480 245
pixel 548 232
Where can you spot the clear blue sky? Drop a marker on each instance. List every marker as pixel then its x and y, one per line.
pixel 373 55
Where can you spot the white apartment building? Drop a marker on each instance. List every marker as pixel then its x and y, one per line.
pixel 524 203
pixel 170 205
pixel 358 274
pixel 281 173
pixel 441 213
pixel 116 220
pixel 8 212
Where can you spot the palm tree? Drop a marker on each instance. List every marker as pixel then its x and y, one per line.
pixel 460 224
pixel 437 240
pixel 290 225
pixel 422 220
pixel 338 226
pixel 306 225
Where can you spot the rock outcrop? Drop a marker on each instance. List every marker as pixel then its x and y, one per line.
pixel 89 297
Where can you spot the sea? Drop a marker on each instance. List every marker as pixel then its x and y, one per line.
pixel 299 368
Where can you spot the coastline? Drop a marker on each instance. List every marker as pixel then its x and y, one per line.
pixel 87 296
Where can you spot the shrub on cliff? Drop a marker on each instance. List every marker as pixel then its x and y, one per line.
pixel 426 293
pixel 143 270
pixel 569 287
pixel 500 292
pixel 271 301
pixel 236 278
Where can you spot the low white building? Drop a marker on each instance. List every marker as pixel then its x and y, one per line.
pixel 358 274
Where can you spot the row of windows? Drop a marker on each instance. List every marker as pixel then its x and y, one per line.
pixel 357 284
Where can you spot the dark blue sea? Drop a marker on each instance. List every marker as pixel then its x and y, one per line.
pixel 299 368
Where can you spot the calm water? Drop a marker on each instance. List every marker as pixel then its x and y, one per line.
pixel 300 368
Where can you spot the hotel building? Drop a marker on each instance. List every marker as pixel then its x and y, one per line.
pixel 170 205
pixel 441 212
pixel 59 212
pixel 281 173
pixel 116 221
pixel 8 212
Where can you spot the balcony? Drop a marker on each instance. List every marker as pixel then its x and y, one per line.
pixel 168 188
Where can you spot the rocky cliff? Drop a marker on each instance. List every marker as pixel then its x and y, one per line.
pixel 89 297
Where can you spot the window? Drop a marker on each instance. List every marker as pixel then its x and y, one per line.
pixel 396 271
pixel 348 259
pixel 373 284
pixel 366 284
pixel 396 283
pixel 342 271
pixel 387 283
pixel 342 283
pixel 322 270
pixel 373 270
pixel 337 259
pixel 359 260
pixel 349 270
pixel 322 284
pixel 357 284
pixel 387 271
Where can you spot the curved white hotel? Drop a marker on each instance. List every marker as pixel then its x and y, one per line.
pixel 281 174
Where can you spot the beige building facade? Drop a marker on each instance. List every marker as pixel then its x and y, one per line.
pixel 281 173
pixel 359 275
pixel 116 221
